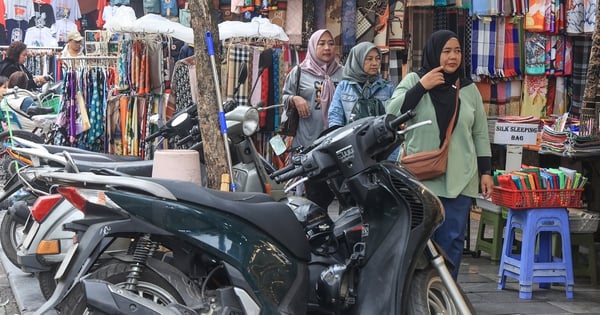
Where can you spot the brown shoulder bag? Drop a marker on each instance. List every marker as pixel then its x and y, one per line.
pixel 431 164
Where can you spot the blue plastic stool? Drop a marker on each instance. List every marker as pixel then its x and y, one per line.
pixel 529 267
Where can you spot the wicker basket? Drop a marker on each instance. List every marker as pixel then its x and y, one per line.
pixel 539 198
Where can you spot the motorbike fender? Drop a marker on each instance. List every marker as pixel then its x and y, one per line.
pixel 92 244
pixel 52 229
pixel 426 258
pixel 106 298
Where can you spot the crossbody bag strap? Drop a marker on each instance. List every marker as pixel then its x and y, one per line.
pixel 298 74
pixel 451 125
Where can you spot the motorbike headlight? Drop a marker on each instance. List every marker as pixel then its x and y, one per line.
pixel 250 122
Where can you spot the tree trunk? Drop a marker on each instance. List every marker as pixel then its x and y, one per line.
pixel 203 20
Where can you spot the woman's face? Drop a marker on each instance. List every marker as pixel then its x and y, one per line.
pixel 23 57
pixel 372 62
pixel 451 56
pixel 325 46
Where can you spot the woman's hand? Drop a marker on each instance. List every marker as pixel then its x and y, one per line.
pixel 301 106
pixel 487 185
pixel 39 80
pixel 433 78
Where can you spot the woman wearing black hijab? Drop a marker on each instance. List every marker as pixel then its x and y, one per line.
pixel 431 94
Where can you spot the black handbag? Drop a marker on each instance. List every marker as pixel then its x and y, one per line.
pixel 290 118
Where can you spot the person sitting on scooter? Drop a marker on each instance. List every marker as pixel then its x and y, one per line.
pixel 19 79
pixel 16 56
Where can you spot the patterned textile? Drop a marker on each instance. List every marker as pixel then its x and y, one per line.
pixel 560 102
pixel 308 21
pixel 180 86
pixel 320 14
pixel 420 30
pixel 575 16
pixel 484 39
pixel 238 54
pixel 515 88
pixel 535 95
pixel 349 25
pixel 535 17
pixel 555 62
pixel 589 22
pixel 582 49
pixel 395 68
pixel 512 49
pixel 419 3
pixel 592 88
pixel 255 97
pixel 385 66
pixel 500 42
pixel 535 53
pixel 293 23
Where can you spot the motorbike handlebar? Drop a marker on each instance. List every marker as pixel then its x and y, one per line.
pixel 154 135
pixel 291 174
pixel 398 121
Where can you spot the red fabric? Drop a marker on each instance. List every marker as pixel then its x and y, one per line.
pixel 100 7
pixel 264 96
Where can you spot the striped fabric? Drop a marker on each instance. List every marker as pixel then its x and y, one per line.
pixel 499 47
pixel 512 51
pixel 484 40
pixel 582 49
pixel 420 29
pixel 238 54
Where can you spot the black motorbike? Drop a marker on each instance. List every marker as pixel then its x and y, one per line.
pixel 199 251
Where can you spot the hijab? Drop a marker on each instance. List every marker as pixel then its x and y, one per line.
pixel 354 67
pixel 315 66
pixel 442 96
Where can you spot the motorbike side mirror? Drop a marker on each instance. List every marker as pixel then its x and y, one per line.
pixel 181 123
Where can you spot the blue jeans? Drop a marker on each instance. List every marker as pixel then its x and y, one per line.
pixel 450 236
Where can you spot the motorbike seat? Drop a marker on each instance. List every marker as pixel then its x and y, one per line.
pixel 94 157
pixel 276 219
pixel 135 168
pixel 53 149
pixel 38 110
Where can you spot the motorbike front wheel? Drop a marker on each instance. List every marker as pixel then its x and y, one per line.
pixel 7 164
pixel 429 295
pixel 11 237
pixel 150 286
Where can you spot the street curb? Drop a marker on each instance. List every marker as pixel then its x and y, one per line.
pixel 25 287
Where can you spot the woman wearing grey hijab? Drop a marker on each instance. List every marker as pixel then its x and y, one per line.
pixel 360 80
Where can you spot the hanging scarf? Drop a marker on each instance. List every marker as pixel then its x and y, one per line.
pixel 313 65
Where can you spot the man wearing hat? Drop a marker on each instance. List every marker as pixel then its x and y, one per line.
pixel 74 46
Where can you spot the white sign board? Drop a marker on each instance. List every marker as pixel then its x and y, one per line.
pixel 517 134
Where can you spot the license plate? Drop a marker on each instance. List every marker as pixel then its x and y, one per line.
pixel 65 263
pixel 32 232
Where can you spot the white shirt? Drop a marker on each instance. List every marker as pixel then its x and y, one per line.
pixel 40 37
pixel 61 28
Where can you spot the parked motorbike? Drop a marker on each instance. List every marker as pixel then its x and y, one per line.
pixel 34 253
pixel 200 251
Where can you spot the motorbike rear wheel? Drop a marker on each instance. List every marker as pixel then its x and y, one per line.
pixel 429 295
pixel 150 286
pixel 11 237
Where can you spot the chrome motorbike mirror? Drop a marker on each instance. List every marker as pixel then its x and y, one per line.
pixel 179 120
pixel 250 122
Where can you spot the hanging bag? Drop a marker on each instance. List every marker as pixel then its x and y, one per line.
pixel 290 117
pixel 431 164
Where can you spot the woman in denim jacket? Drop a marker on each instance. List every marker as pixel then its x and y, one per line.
pixel 360 75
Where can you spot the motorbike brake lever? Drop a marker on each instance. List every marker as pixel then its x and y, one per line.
pixel 419 124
